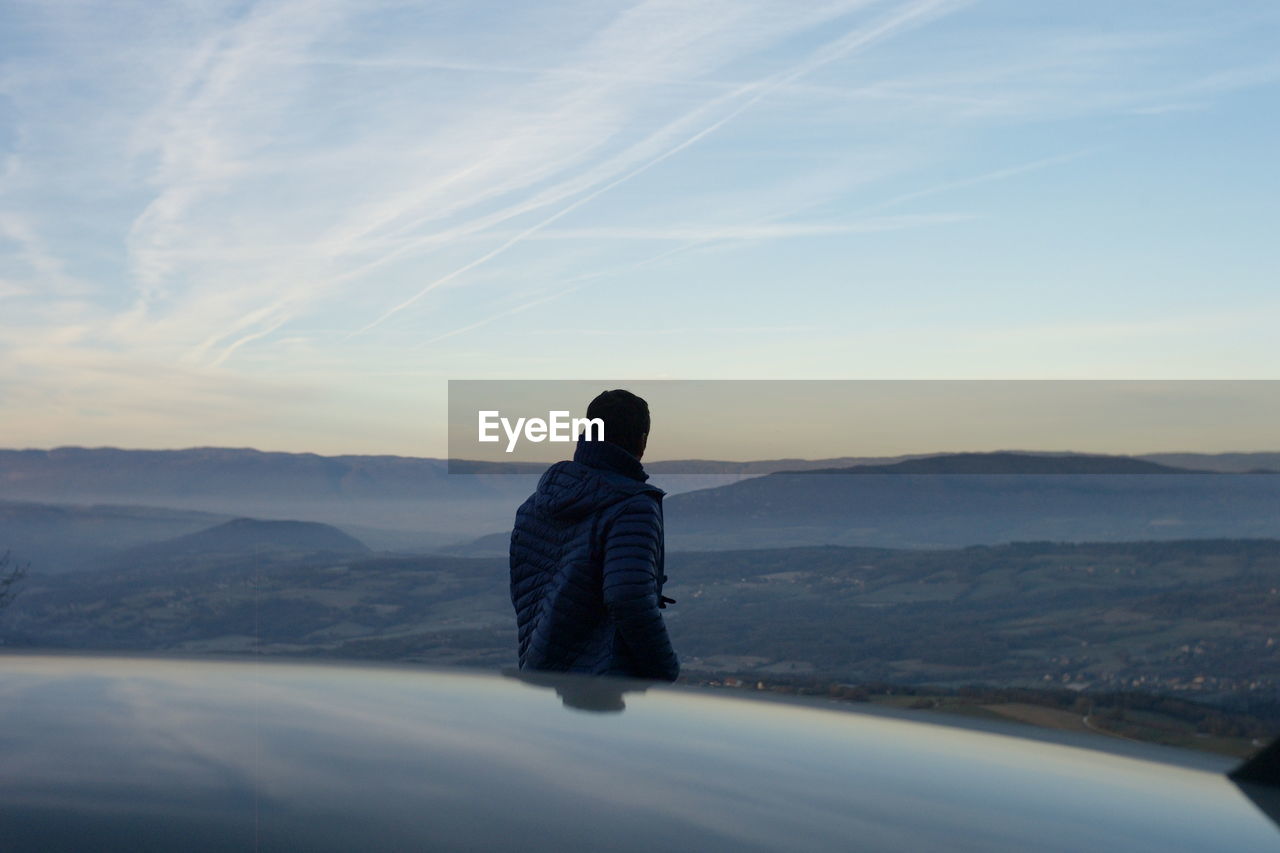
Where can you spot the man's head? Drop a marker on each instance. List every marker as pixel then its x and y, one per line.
pixel 626 419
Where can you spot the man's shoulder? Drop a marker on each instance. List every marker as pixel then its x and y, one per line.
pixel 647 499
pixel 640 507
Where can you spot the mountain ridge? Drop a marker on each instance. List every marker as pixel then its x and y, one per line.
pixel 1011 462
pixel 247 536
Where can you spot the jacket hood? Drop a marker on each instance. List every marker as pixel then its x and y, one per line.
pixel 600 475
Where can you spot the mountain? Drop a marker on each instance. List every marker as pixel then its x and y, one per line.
pixel 243 536
pixel 936 502
pixel 410 504
pixel 1227 463
pixel 396 503
pixel 375 493
pixel 491 545
pixel 73 538
pixel 1010 463
pixel 55 539
pixel 393 502
pixel 74 473
pixel 214 475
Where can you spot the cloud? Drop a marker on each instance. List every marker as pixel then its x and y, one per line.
pixel 736 102
pixel 707 232
pixel 228 194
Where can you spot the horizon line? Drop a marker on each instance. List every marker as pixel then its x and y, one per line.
pixel 681 460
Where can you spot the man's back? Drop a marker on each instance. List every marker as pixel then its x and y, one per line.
pixel 587 569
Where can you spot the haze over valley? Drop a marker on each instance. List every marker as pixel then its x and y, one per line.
pixel 1040 571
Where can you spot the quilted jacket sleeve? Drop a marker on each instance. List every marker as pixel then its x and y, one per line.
pixel 632 544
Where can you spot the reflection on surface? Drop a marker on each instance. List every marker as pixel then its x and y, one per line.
pixel 582 692
pixel 104 753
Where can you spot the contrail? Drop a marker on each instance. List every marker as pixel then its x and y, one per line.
pixel 582 282
pixel 830 53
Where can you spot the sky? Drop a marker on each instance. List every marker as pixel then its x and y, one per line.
pixel 286 225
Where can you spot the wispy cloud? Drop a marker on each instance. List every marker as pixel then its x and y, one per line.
pixel 234 193
pixel 984 178
pixel 737 102
pixel 706 232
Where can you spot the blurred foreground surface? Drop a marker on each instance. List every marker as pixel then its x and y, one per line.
pixel 117 753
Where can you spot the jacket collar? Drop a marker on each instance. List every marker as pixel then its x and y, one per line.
pixel 607 456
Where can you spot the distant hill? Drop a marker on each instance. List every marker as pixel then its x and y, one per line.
pixel 395 502
pixel 55 539
pixel 404 504
pixel 210 473
pixel 249 536
pixel 1231 463
pixel 1015 497
pixel 963 499
pixel 401 495
pixel 492 545
pixel 1011 463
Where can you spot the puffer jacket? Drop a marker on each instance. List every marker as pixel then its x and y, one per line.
pixel 587 569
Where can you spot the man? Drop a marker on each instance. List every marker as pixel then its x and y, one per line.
pixel 587 557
